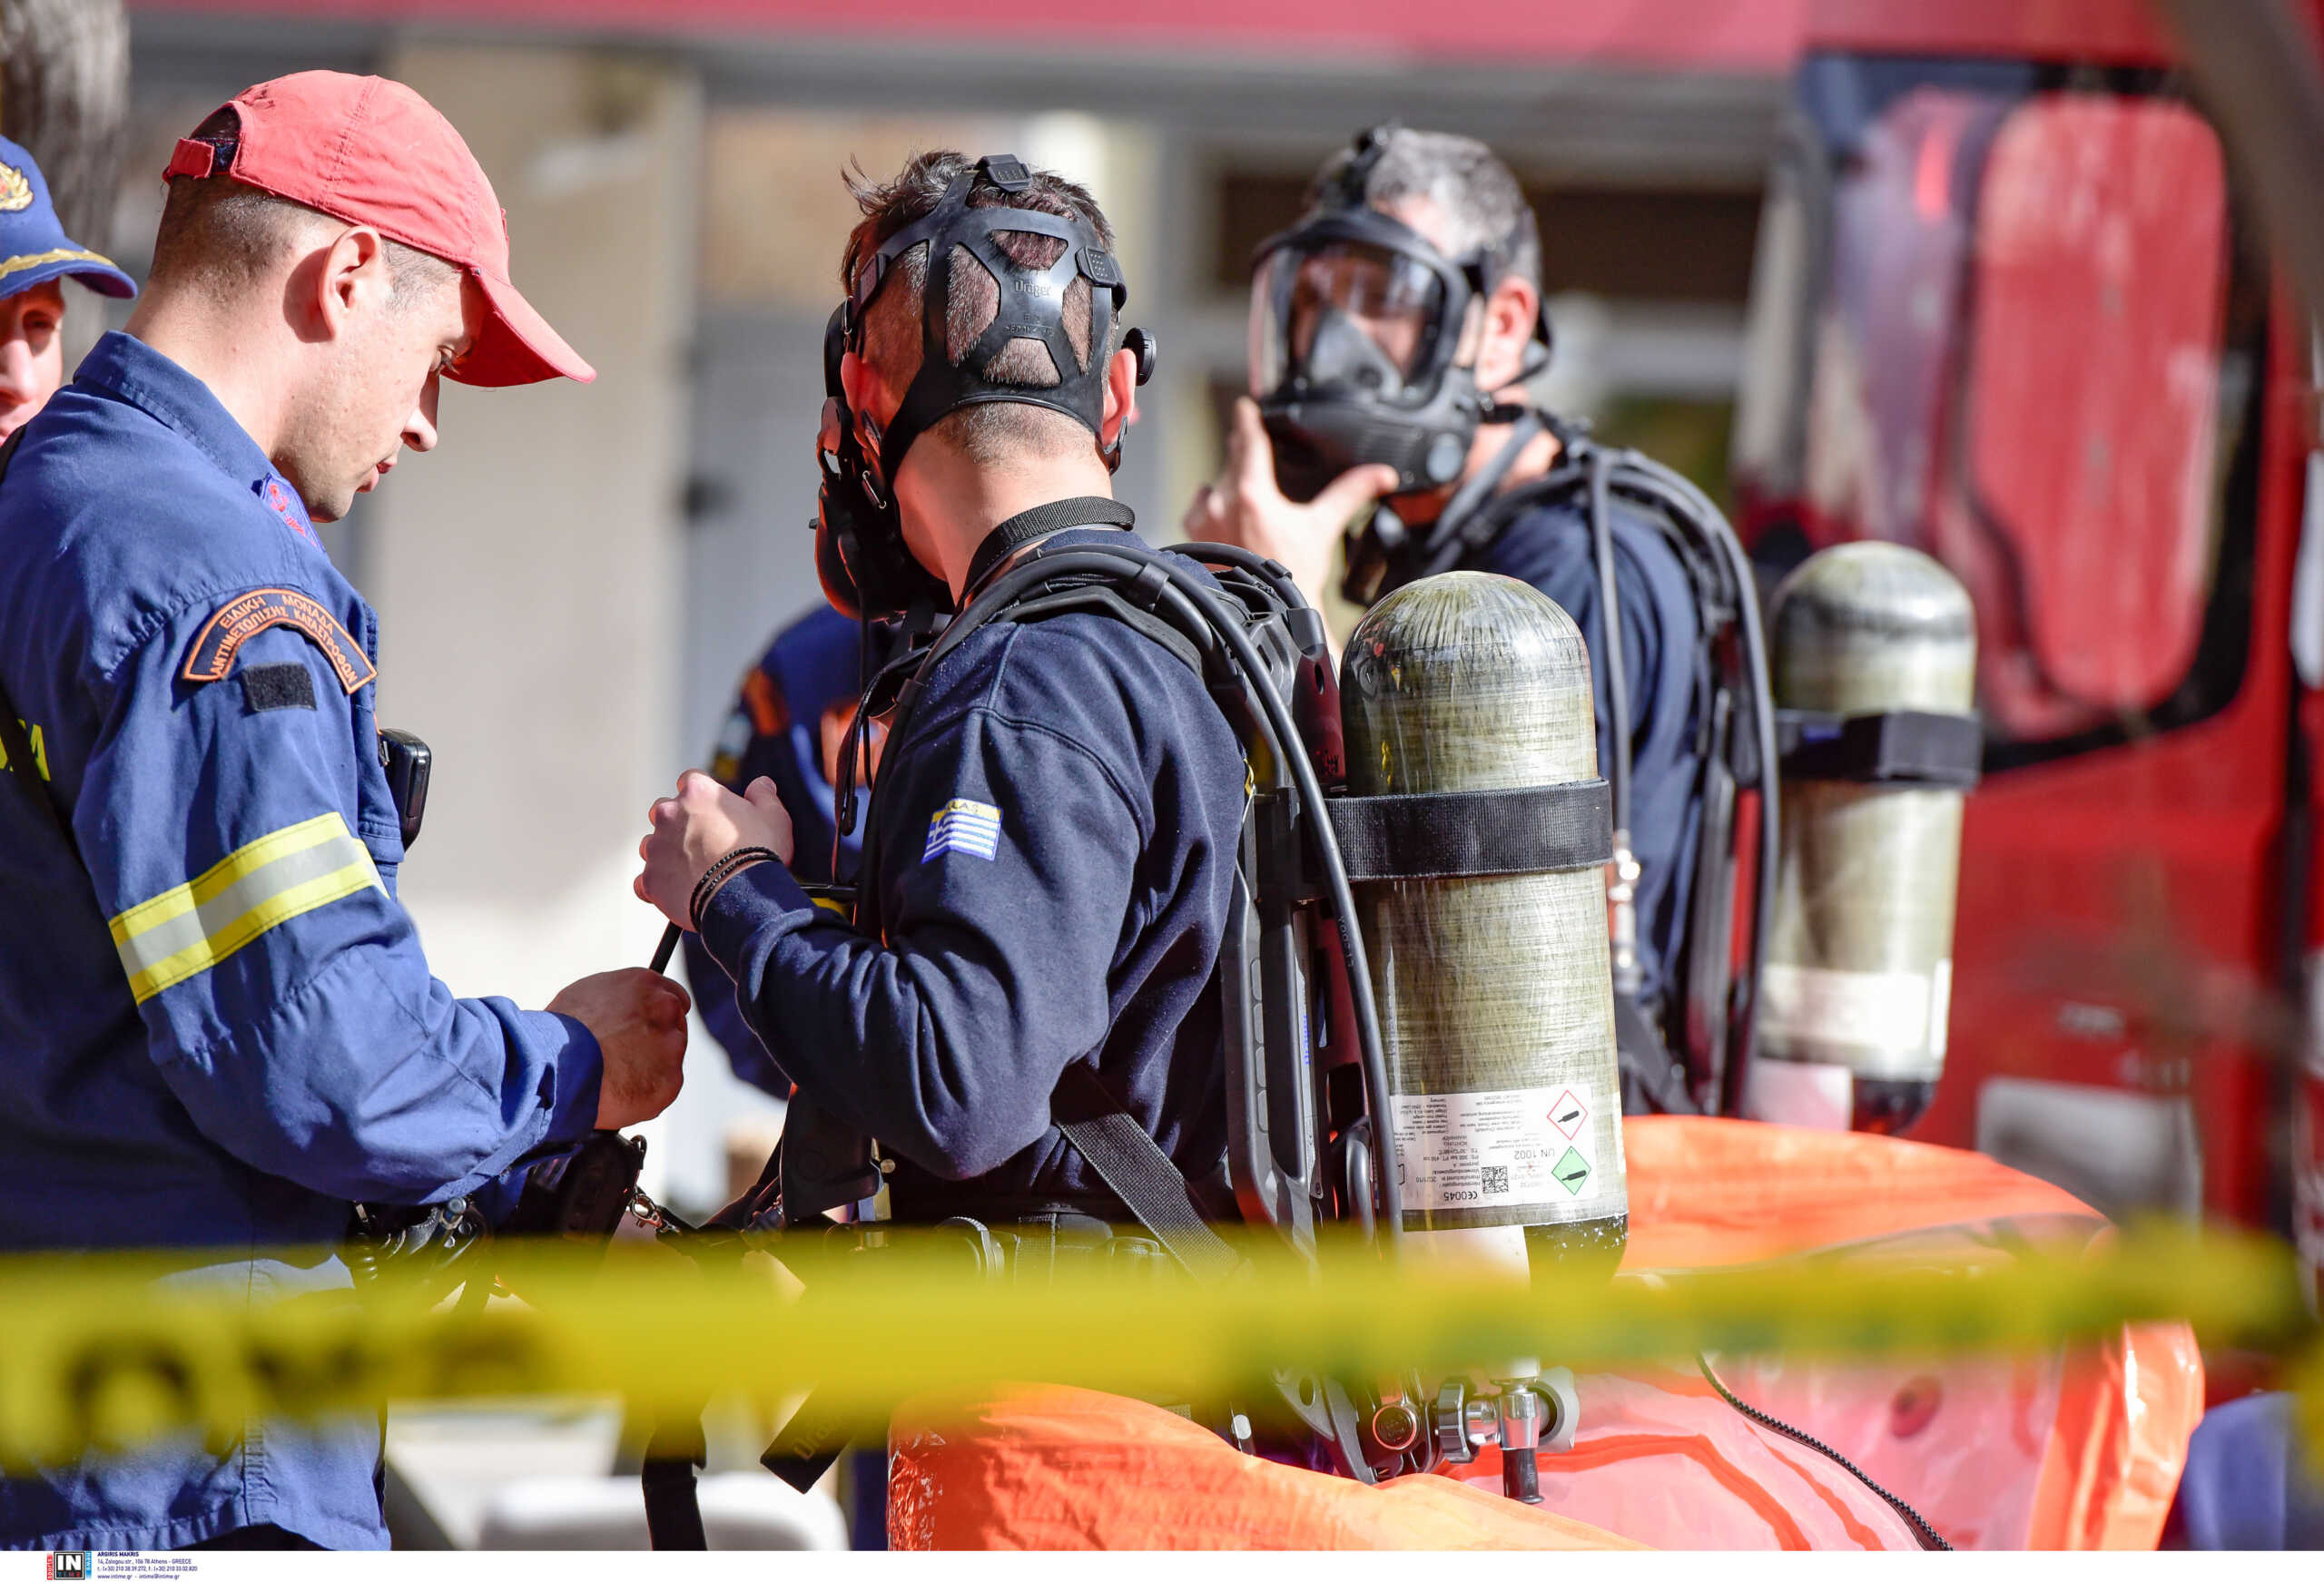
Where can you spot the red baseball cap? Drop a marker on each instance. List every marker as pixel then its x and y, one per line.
pixel 371 151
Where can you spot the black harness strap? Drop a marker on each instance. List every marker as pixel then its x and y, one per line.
pixel 1102 598
pixel 1134 1167
pixel 1081 511
pixel 672 1504
pixel 1535 829
pixel 1909 747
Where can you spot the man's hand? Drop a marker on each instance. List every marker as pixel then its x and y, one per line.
pixel 1246 508
pixel 639 1020
pixel 697 827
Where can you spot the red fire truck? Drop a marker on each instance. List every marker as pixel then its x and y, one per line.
pixel 2011 307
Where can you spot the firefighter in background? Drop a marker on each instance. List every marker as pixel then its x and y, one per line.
pixel 1392 330
pixel 789 719
pixel 2249 1484
pixel 36 258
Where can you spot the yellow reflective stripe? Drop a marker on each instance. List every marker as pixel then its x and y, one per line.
pixel 39 747
pixel 189 929
pixel 171 903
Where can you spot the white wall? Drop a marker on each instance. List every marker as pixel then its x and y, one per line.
pixel 526 574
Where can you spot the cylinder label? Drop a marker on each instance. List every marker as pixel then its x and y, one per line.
pixel 1903 1012
pixel 1515 1148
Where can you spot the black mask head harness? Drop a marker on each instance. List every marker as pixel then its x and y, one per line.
pixel 1332 395
pixel 866 570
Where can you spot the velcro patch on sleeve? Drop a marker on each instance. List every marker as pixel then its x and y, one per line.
pixel 246 615
pixel 277 686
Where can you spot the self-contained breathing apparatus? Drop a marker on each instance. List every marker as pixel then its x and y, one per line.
pixel 1357 322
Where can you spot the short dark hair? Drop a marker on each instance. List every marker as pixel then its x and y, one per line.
pixel 225 234
pixel 989 432
pixel 1483 206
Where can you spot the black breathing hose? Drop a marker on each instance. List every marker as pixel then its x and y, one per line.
pixel 1273 573
pixel 1284 733
pixel 1710 523
pixel 1617 666
pixel 1927 1536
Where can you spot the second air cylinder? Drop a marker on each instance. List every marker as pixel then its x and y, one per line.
pixel 1866 637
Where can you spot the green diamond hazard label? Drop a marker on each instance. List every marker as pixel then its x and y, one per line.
pixel 1571 1170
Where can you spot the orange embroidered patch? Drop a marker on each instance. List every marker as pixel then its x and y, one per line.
pixel 246 615
pixel 769 712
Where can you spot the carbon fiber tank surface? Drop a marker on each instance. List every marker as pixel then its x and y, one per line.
pixel 1495 994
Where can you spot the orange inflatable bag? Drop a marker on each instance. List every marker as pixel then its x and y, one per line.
pixel 2079 1448
pixel 1048 1467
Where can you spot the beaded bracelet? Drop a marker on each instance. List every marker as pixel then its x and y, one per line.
pixel 719 872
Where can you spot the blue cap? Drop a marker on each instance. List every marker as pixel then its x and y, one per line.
pixel 34 247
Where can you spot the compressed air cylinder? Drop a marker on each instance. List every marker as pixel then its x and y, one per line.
pixel 1495 994
pixel 1859 961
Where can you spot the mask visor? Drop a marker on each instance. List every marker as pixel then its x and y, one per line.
pixel 1345 317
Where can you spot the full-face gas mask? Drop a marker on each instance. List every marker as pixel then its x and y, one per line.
pixel 1356 323
pixel 867 571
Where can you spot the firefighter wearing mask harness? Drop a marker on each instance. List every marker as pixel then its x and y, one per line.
pixel 1103 983
pixel 1050 841
pixel 1393 332
pixel 1020 1027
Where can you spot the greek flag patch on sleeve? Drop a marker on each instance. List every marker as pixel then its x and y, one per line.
pixel 964 826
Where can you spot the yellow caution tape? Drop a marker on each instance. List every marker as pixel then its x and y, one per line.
pixel 97 1355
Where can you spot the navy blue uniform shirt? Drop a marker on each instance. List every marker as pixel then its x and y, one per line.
pixel 1056 830
pixel 1549 546
pixel 775 729
pixel 217 1027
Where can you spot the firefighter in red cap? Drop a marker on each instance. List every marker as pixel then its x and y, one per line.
pixel 221 1028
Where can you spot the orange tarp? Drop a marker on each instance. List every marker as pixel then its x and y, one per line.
pixel 2078 1448
pixel 1705 1193
pixel 1046 1466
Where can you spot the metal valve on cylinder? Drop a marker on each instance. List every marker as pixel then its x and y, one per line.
pixel 1522 1416
pixel 1522 1410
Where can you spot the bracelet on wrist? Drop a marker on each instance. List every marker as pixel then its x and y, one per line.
pixel 716 876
